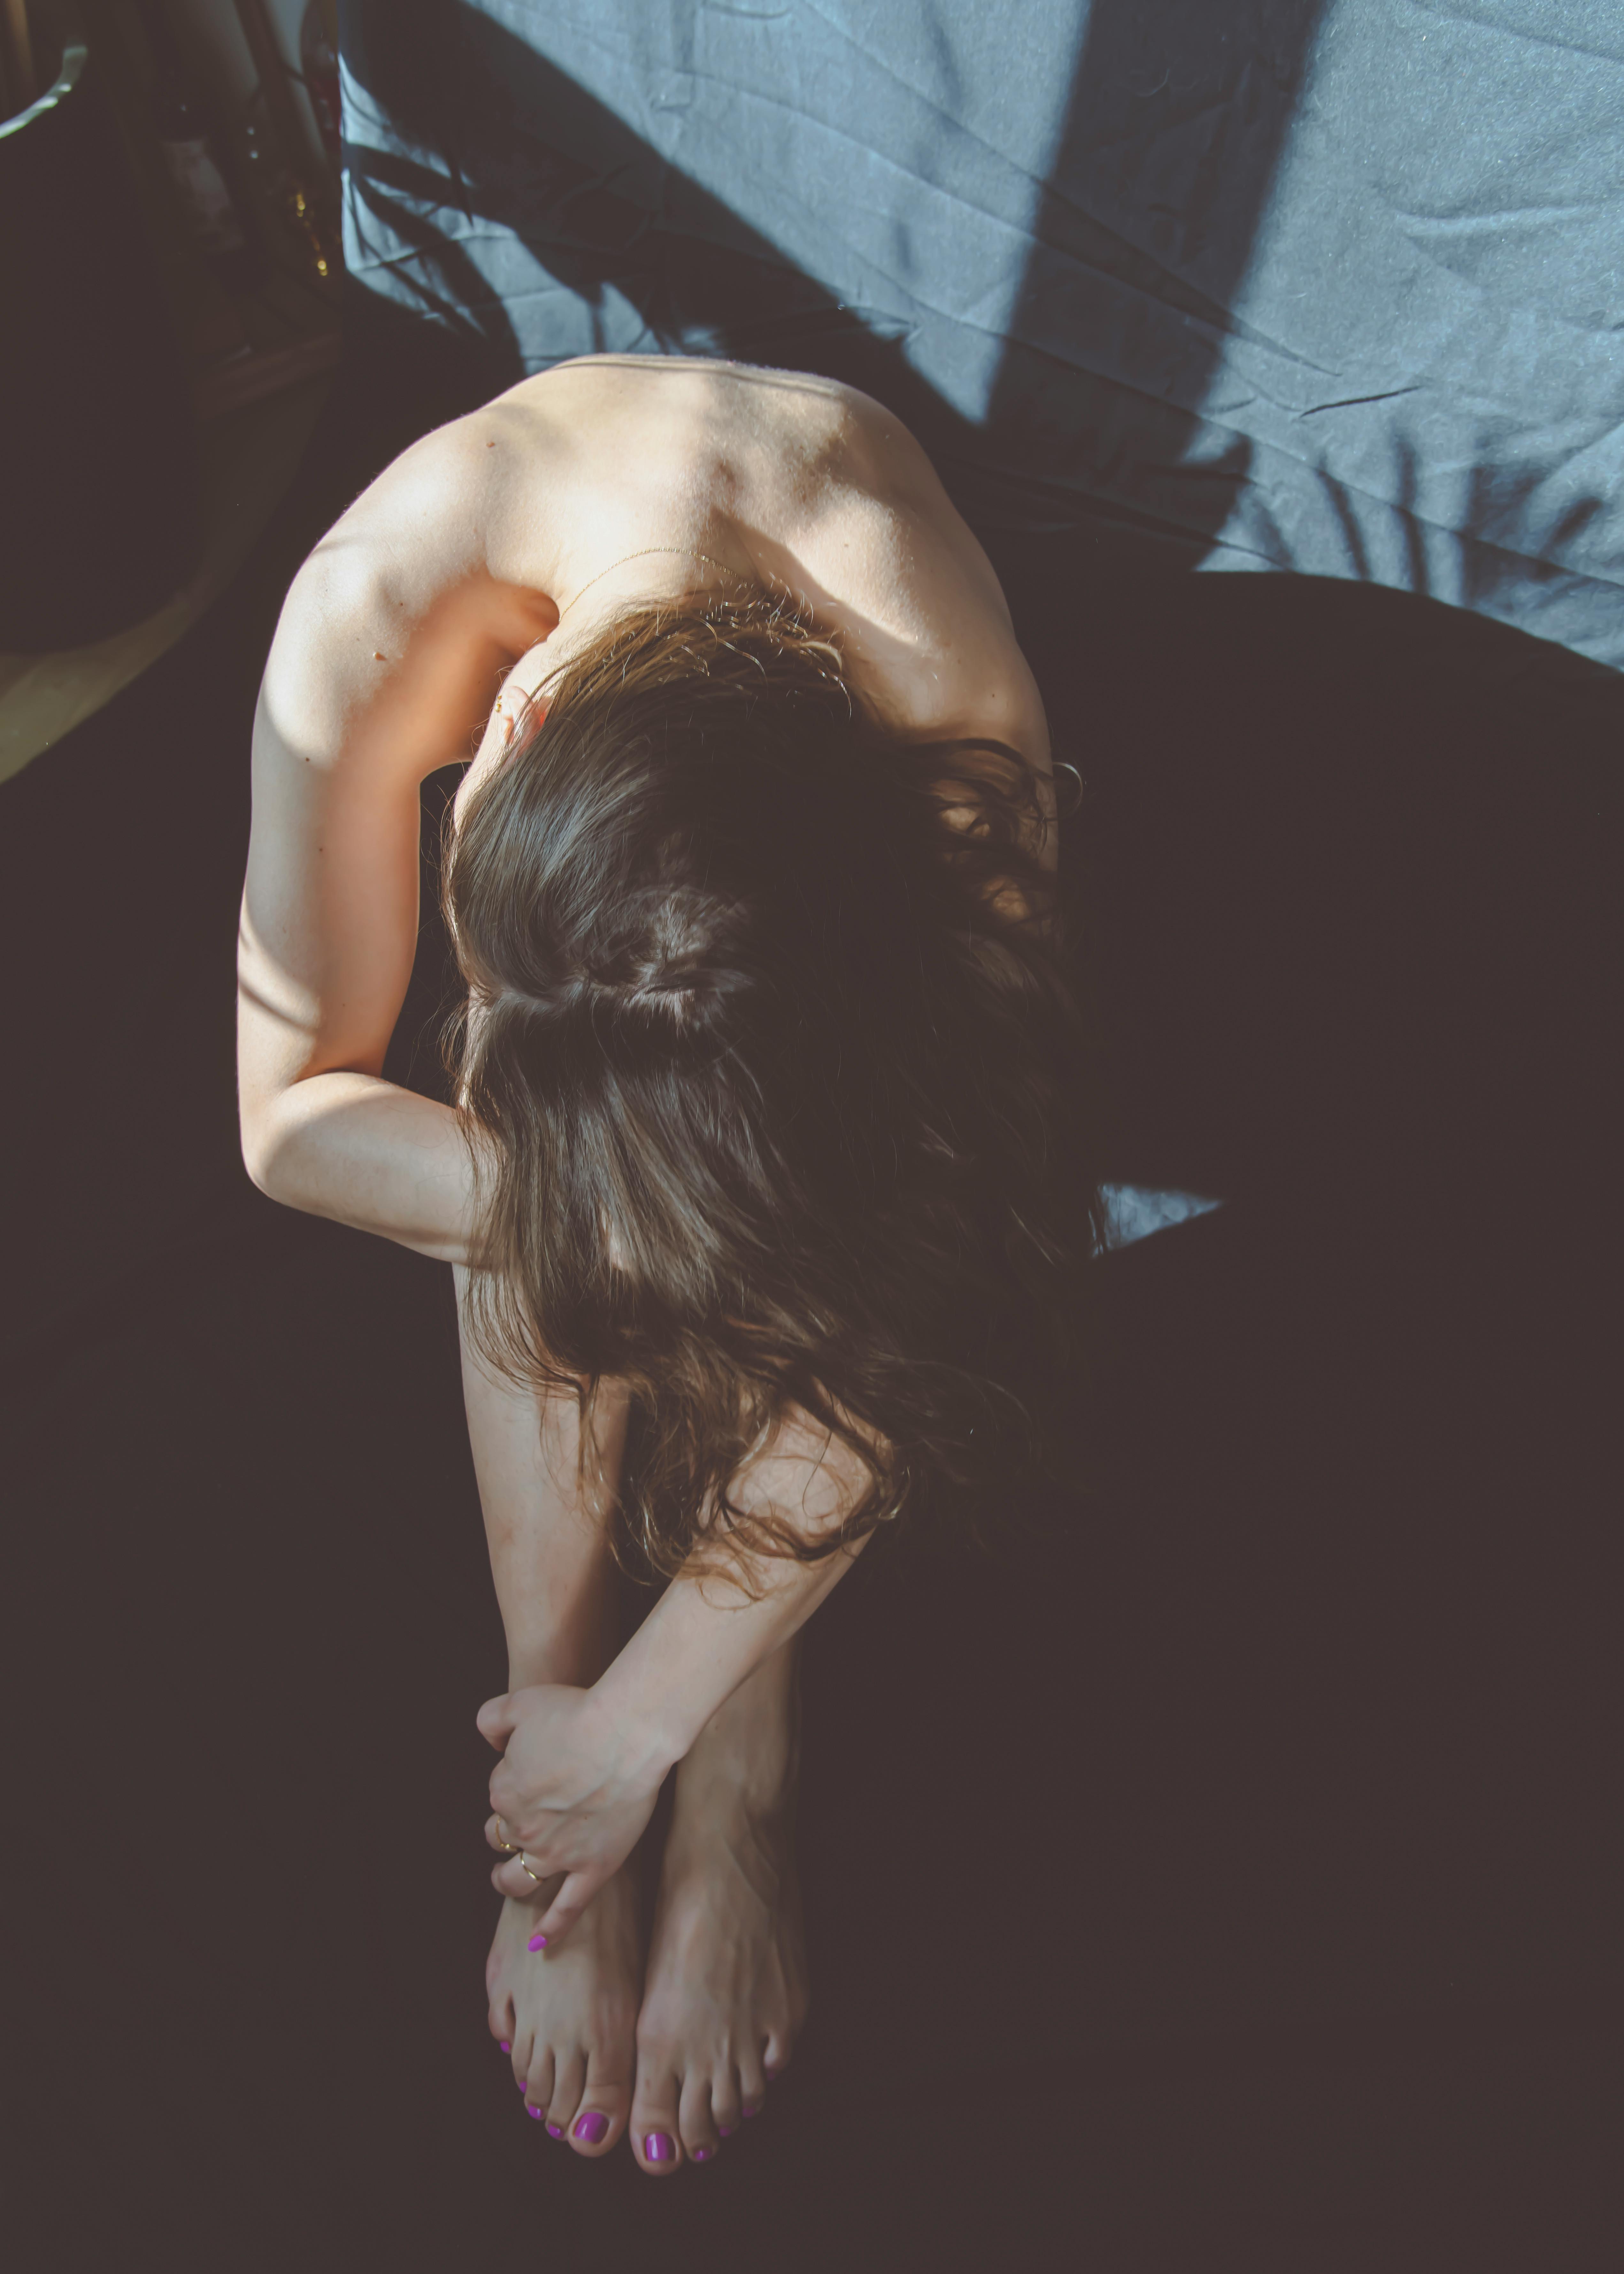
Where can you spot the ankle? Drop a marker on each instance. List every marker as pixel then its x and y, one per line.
pixel 750 1767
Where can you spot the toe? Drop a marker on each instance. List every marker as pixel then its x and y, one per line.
pixel 697 2123
pixel 521 2053
pixel 597 2117
pixel 538 2080
pixel 656 2127
pixel 726 2104
pixel 752 2085
pixel 563 2103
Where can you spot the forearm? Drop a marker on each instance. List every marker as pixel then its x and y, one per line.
pixel 690 1654
pixel 704 1638
pixel 560 1595
pixel 381 673
pixel 583 1766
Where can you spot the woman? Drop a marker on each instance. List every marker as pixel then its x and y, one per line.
pixel 767 1134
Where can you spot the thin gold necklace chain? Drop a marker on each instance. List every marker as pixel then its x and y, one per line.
pixel 685 552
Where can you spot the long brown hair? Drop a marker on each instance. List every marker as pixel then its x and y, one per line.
pixel 773 1079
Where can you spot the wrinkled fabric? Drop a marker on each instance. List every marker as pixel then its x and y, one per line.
pixel 1237 283
pixel 1136 1211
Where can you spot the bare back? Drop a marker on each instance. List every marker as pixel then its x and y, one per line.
pixel 472 564
pixel 809 486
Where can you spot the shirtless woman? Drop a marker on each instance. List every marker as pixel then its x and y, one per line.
pixel 765 789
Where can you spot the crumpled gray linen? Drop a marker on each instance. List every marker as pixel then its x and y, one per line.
pixel 1238 284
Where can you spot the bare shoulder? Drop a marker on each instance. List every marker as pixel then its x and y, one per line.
pixel 940 640
pixel 394 627
pixel 451 508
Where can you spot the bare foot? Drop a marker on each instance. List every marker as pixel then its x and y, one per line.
pixel 568 2015
pixel 725 1991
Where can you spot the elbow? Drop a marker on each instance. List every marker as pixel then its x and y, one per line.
pixel 257 1163
pixel 261 1158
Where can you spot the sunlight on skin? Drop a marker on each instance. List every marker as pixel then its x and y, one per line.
pixel 435 589
pixel 721 1998
pixel 291 1006
pixel 518 708
pixel 581 1769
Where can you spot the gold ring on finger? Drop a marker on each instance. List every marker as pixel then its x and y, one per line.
pixel 504 1843
pixel 525 1868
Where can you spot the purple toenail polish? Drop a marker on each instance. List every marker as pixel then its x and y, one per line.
pixel 727 2130
pixel 557 2131
pixel 506 2048
pixel 523 2081
pixel 591 2127
pixel 659 2148
pixel 536 1942
pixel 701 2155
pixel 751 2111
pixel 537 2112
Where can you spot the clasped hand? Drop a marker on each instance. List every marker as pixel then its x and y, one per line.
pixel 574 1791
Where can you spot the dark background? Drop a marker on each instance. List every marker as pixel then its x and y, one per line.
pixel 1235 1882
pixel 1231 1878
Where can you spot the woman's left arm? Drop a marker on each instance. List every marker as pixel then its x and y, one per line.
pixel 582 1768
pixel 386 660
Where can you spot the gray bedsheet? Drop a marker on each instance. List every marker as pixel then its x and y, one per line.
pixel 1332 286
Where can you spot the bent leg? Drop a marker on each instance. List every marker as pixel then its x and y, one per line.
pixel 566 2016
pixel 727 1987
pixel 557 1586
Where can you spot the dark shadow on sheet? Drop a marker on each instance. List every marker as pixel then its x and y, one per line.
pixel 1164 173
pixel 537 223
pixel 1143 234
pixel 526 149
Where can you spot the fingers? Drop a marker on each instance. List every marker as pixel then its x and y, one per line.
pixel 564 1897
pixel 566 1906
pixel 564 1893
pixel 524 1867
pixel 503 1790
pixel 534 1872
pixel 510 1878
pixel 495 1720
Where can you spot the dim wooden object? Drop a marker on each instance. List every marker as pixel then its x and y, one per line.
pixel 251 455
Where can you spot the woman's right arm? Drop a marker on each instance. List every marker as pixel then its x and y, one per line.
pixel 385 663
